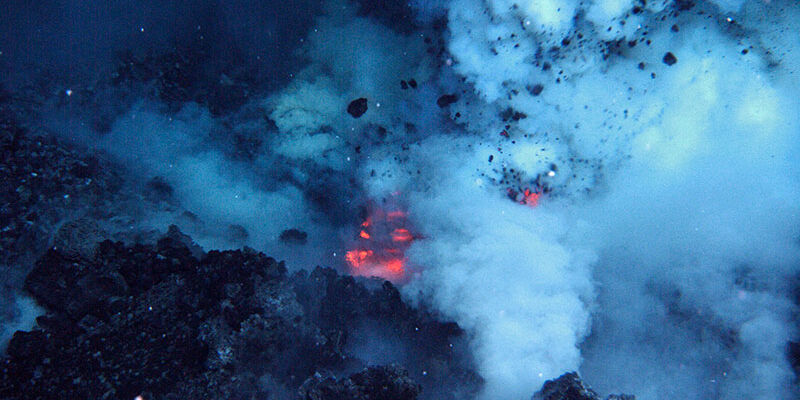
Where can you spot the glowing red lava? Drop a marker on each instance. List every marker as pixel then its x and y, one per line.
pixel 531 198
pixel 527 197
pixel 380 245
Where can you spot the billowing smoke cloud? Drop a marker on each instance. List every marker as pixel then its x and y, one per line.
pixel 658 140
pixel 675 147
pixel 511 275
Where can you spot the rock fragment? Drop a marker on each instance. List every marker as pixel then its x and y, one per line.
pixel 357 107
pixel 446 99
pixel 669 59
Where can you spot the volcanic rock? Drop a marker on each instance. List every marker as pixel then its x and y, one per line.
pixel 185 74
pixel 669 59
pixel 536 89
pixel 44 181
pixel 570 387
pixel 357 107
pixel 293 236
pixel 164 321
pixel 446 99
pixel 374 383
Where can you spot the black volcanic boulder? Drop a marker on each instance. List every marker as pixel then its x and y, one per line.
pixel 570 387
pixel 446 99
pixel 374 383
pixel 669 59
pixel 357 107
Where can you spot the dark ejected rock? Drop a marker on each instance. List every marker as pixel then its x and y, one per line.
pixel 237 233
pixel 570 387
pixel 669 59
pixel 446 99
pixel 536 89
pixel 293 236
pixel 684 5
pixel 158 189
pixel 794 356
pixel 511 114
pixel 357 107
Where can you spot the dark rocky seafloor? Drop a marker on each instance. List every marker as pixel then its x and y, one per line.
pixel 158 321
pixel 172 322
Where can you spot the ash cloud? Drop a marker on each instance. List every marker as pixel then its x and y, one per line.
pixel 679 176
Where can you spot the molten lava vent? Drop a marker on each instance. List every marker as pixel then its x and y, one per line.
pixel 526 197
pixel 379 248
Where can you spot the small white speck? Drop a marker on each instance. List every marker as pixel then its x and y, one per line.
pixel 424 373
pixel 69 92
pixel 377 104
pixel 348 158
pixel 150 308
pixel 66 196
pixel 551 173
pixel 141 29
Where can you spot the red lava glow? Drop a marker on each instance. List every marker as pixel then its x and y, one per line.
pixel 531 198
pixel 381 243
pixel 527 197
pixel 357 258
pixel 401 235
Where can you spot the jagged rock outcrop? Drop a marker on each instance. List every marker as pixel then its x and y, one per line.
pixel 570 387
pixel 158 321
pixel 374 383
pixel 42 182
